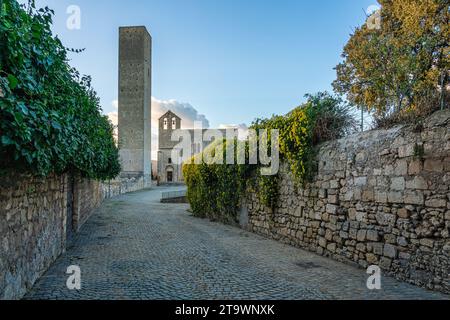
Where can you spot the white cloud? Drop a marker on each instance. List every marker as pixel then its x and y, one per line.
pixel 242 129
pixel 115 104
pixel 185 111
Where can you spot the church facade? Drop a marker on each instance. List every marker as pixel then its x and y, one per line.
pixel 170 169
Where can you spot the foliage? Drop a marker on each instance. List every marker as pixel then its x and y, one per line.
pixel 400 69
pixel 214 190
pixel 50 116
pixel 323 117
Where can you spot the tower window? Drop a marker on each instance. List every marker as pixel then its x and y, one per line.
pixel 165 124
pixel 170 160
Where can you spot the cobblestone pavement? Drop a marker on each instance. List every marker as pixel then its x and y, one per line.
pixel 136 248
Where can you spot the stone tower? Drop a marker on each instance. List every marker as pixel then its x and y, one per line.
pixel 135 49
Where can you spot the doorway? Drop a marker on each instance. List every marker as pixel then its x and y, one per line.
pixel 169 176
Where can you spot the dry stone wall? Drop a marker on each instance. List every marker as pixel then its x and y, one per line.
pixel 379 198
pixel 34 215
pixel 32 230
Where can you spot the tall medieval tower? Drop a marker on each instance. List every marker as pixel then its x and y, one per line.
pixel 135 69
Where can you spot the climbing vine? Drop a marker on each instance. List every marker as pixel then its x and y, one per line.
pixel 215 190
pixel 51 120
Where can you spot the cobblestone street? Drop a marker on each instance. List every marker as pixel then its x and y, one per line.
pixel 134 247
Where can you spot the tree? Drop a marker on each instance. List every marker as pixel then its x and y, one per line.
pixel 402 65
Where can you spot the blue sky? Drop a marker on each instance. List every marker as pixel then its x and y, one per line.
pixel 232 60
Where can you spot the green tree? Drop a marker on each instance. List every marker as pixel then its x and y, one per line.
pixel 400 66
pixel 51 120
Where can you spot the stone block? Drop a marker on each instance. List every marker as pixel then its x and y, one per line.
pixel 398 184
pixel 360 181
pixel 331 208
pixel 377 248
pixel 406 150
pixel 436 203
pixel 418 183
pixel 385 263
pixel 333 199
pixel 368 195
pixel 381 197
pixel 395 197
pixel 390 251
pixel 415 167
pixel 361 235
pixel 427 243
pixel 403 213
pixel 401 241
pixel 331 247
pixel 371 258
pixel 433 165
pixel 401 168
pixel 372 235
pixel 414 198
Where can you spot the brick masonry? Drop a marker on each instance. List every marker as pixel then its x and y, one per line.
pixel 380 198
pixel 33 222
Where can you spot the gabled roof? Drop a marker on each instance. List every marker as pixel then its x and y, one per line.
pixel 169 114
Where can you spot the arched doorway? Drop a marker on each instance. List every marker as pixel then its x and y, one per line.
pixel 170 174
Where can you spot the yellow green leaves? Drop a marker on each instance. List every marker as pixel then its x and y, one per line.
pixel 387 70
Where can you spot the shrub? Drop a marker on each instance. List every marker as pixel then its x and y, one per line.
pixel 215 190
pixel 51 120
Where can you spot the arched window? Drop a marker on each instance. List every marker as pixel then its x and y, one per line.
pixel 165 124
pixel 174 123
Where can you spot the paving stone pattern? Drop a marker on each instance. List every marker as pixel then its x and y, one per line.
pixel 134 247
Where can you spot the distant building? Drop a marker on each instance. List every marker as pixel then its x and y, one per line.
pixel 169 171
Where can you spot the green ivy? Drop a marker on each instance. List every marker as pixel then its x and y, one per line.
pixel 51 120
pixel 215 191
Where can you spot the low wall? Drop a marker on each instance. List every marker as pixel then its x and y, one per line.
pixel 32 230
pixel 379 198
pixel 34 225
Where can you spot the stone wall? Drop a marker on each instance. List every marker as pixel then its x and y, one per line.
pixel 32 230
pixel 34 226
pixel 379 198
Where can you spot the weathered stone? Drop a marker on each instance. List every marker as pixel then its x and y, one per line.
pixel 403 213
pixel 427 242
pixel 436 203
pixel 395 197
pixel 331 208
pixel 385 263
pixel 331 247
pixel 361 235
pixel 418 183
pixel 322 242
pixel 401 241
pixel 414 198
pixel 385 219
pixel 371 258
pixel 398 184
pixel 415 167
pixel 390 251
pixel 406 151
pixel 401 168
pixel 360 181
pixel 434 165
pixel 372 235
